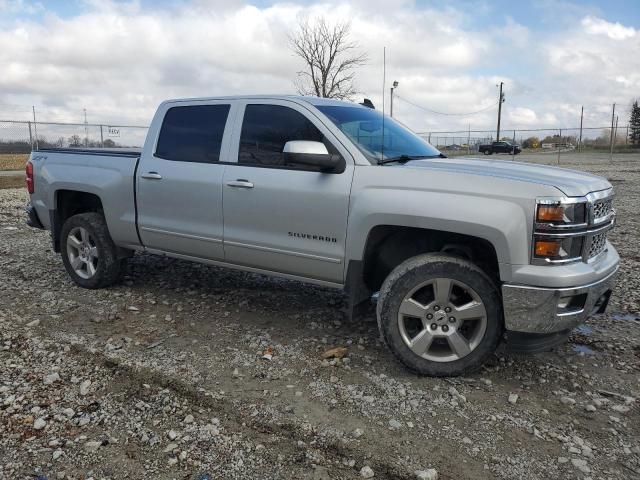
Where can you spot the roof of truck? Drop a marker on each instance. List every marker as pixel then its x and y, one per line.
pixel 308 99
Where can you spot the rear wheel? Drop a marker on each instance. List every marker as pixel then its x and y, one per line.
pixel 440 315
pixel 487 152
pixel 88 252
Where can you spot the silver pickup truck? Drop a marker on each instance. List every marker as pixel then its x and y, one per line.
pixel 458 253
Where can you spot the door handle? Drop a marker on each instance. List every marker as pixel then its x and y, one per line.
pixel 240 183
pixel 152 176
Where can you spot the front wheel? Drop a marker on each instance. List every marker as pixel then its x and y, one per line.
pixel 440 315
pixel 88 252
pixel 487 152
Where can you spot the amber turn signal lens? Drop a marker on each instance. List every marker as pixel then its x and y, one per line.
pixel 550 213
pixel 547 248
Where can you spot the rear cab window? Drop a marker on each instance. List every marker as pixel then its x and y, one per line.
pixel 193 133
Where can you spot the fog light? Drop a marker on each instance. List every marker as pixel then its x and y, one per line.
pixel 547 248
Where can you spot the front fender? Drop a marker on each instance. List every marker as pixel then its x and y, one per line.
pixel 501 222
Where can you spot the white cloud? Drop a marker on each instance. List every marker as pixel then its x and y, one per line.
pixel 594 66
pixel 523 117
pixel 120 60
pixel 615 31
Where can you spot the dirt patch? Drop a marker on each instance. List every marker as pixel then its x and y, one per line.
pixel 11 181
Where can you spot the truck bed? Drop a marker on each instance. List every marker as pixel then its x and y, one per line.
pixel 106 173
pixel 111 152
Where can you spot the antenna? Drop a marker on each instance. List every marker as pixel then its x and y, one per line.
pixel 384 79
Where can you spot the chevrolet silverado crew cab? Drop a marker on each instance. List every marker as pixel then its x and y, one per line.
pixel 458 253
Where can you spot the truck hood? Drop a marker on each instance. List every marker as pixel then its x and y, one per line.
pixel 571 182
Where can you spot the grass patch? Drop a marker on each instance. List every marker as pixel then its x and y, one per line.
pixel 13 161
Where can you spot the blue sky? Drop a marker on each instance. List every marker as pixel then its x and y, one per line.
pixel 539 14
pixel 554 56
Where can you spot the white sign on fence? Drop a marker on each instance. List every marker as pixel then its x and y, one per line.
pixel 113 132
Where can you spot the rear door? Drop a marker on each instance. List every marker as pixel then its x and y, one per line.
pixel 179 180
pixel 280 218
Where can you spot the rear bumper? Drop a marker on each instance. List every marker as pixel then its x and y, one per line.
pixel 548 310
pixel 32 217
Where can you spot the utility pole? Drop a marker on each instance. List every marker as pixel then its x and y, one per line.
pixel 395 85
pixel 613 117
pixel 500 100
pixel 581 117
pixel 35 125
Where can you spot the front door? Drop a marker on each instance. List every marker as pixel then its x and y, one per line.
pixel 278 218
pixel 179 181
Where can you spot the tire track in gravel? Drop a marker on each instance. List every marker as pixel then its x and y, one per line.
pixel 285 432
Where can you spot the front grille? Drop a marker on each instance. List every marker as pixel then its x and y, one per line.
pixel 602 208
pixel 597 245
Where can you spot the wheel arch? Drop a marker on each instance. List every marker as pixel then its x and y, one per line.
pixel 388 245
pixel 67 203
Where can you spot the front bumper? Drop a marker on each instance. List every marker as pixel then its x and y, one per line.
pixel 547 310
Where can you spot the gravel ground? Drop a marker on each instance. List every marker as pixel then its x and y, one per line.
pixel 188 371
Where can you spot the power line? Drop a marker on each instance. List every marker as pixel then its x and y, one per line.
pixel 444 113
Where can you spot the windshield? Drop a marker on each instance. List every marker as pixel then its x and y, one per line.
pixel 364 127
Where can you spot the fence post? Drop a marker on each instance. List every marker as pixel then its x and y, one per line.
pixel 30 136
pixel 559 146
pixel 101 138
pixel 513 152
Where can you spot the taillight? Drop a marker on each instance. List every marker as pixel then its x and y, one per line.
pixel 30 184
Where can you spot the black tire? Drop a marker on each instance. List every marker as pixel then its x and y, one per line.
pixel 487 152
pixel 412 273
pixel 108 265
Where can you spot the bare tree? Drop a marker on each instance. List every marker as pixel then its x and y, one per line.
pixel 330 59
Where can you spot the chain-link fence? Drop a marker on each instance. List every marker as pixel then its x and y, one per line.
pixel 540 145
pixel 544 145
pixel 22 137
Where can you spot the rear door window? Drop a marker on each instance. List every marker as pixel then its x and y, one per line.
pixel 193 133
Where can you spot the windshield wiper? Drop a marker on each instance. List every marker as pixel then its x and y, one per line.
pixel 407 158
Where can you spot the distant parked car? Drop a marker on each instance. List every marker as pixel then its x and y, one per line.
pixel 500 147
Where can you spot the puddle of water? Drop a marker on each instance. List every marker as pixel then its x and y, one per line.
pixel 580 348
pixel 629 317
pixel 584 329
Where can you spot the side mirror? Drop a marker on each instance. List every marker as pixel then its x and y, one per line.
pixel 312 154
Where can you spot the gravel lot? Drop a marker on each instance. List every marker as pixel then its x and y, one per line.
pixel 188 371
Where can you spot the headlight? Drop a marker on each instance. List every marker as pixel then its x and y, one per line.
pixel 554 213
pixel 571 229
pixel 557 223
